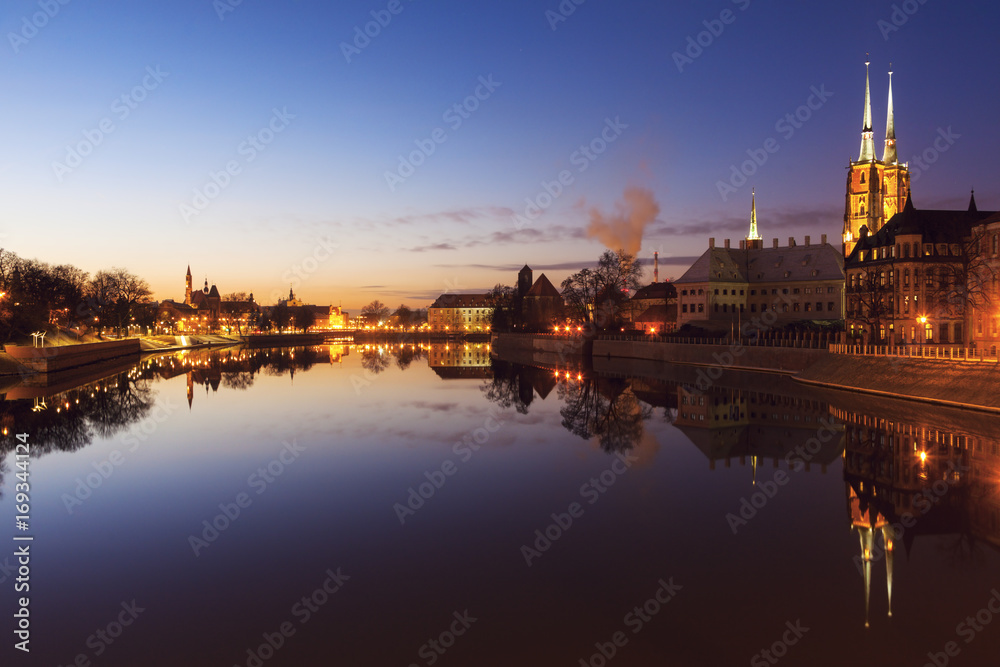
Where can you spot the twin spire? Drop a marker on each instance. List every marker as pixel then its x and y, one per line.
pixel 867 135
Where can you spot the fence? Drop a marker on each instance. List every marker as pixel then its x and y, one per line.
pixel 943 352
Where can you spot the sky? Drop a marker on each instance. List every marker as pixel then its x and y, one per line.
pixel 399 149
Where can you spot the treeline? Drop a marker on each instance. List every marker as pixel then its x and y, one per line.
pixel 36 294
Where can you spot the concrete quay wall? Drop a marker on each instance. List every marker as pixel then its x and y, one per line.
pixel 53 359
pixel 735 356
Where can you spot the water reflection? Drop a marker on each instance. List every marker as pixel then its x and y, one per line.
pixel 915 499
pixel 913 473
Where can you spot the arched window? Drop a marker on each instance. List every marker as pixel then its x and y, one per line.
pixel 862 178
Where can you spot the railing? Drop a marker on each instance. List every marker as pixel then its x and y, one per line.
pixel 819 343
pixel 942 352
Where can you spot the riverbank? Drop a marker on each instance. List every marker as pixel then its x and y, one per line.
pixel 971 385
pixel 968 385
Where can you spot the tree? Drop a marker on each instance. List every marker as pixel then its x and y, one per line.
pixel 303 317
pixel 234 306
pixel 502 299
pixel 402 316
pixel 375 313
pixel 870 297
pixel 281 316
pixel 961 282
pixel 128 290
pixel 597 295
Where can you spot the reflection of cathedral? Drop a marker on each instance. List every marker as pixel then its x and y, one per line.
pixel 928 472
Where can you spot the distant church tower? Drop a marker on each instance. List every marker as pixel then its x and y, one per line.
pixel 524 280
pixel 187 287
pixel 754 241
pixel 876 189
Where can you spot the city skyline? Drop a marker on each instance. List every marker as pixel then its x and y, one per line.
pixel 263 146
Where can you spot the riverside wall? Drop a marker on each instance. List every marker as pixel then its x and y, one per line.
pixel 54 359
pixel 962 384
pixel 734 356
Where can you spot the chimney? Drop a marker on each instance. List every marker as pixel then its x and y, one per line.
pixel 727 244
pixel 775 243
pixel 711 243
pixel 656 267
pixel 743 245
pixel 807 241
pixel 791 241
pixel 822 239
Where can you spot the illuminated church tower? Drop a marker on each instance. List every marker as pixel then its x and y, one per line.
pixel 876 189
pixel 753 240
pixel 187 287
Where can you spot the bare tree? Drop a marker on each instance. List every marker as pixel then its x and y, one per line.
pixel 962 280
pixel 375 312
pixel 870 298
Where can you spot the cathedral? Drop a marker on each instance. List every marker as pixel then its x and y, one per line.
pixel 876 189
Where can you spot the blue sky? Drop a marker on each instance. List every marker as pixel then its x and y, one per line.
pixel 300 140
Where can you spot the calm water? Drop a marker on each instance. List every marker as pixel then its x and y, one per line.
pixel 419 506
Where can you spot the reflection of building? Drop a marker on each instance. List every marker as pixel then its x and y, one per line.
pixel 753 426
pixel 460 313
pixel 469 360
pixel 784 284
pixel 926 471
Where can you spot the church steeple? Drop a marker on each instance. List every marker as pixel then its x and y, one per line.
pixel 867 140
pixel 187 287
pixel 972 203
pixel 753 238
pixel 889 154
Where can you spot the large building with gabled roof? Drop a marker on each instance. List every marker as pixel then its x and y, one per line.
pixel 780 284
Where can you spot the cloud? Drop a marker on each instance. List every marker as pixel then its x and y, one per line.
pixel 463 216
pixel 433 246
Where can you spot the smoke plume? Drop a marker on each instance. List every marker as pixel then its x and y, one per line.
pixel 625 227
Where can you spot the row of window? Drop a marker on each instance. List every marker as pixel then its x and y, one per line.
pixel 774 291
pixel 725 307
